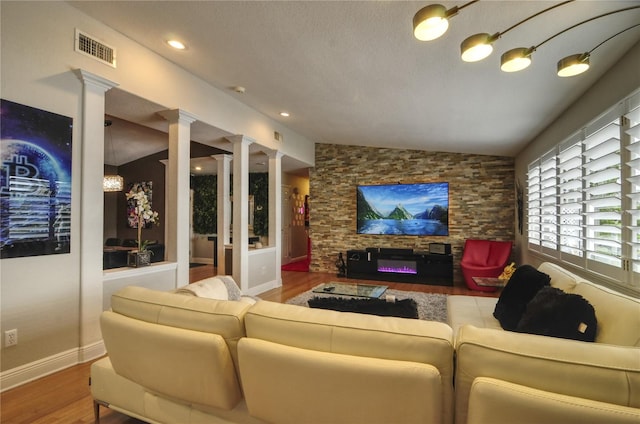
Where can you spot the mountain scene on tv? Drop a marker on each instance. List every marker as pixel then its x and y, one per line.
pixel 403 209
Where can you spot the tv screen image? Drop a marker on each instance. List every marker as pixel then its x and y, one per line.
pixel 419 209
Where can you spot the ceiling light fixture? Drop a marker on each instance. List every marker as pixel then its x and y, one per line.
pixel 178 45
pixel 285 114
pixel 480 46
pixel 432 21
pixel 520 58
pixel 576 64
pixel 112 182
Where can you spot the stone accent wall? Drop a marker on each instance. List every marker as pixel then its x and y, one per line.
pixel 481 198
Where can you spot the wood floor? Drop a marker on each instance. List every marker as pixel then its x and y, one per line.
pixel 65 398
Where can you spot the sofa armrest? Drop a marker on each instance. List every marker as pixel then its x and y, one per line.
pixel 499 402
pixel 594 371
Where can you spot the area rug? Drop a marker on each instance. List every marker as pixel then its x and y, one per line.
pixel 431 306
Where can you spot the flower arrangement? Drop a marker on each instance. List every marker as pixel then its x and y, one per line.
pixel 142 213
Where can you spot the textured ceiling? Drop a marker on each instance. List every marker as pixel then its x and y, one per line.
pixel 351 72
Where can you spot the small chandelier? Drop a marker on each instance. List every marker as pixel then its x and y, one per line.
pixel 112 183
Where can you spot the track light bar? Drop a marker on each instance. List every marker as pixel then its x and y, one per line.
pixel 480 46
pixel 520 58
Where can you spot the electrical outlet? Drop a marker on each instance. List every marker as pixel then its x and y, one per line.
pixel 11 337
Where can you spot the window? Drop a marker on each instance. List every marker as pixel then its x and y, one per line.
pixel 583 197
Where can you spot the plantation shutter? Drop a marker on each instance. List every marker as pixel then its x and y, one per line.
pixel 633 193
pixel 603 207
pixel 548 199
pixel 533 206
pixel 570 185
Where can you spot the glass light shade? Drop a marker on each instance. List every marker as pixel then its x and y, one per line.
pixel 573 65
pixel 515 59
pixel 430 22
pixel 112 183
pixel 476 47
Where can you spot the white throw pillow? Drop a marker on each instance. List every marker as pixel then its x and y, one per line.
pixel 210 288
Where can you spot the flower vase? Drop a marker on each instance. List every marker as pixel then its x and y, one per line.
pixel 139 259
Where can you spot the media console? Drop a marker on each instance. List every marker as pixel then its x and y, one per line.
pixel 400 265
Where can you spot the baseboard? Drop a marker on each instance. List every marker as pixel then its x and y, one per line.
pixel 254 291
pixel 208 261
pixel 29 372
pixel 90 352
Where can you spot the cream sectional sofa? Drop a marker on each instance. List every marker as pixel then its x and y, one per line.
pixel 506 377
pixel 183 359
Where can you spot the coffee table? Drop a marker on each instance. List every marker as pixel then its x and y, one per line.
pixel 349 289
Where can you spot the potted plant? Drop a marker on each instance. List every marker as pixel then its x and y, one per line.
pixel 143 215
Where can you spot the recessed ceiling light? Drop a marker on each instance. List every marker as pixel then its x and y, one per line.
pixel 285 114
pixel 198 168
pixel 176 44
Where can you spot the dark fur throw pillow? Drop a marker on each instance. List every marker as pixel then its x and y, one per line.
pixel 555 313
pixel 405 308
pixel 523 285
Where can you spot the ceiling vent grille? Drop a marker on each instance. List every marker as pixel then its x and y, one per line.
pixel 91 46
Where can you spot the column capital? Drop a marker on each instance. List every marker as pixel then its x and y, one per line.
pixel 95 80
pixel 222 157
pixel 240 138
pixel 178 115
pixel 274 154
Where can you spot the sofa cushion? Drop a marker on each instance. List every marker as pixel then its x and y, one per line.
pixel 522 287
pixel 560 277
pixel 401 339
pixel 618 315
pixel 191 366
pixel 289 385
pixel 472 310
pixel 500 402
pixel 555 313
pixel 596 371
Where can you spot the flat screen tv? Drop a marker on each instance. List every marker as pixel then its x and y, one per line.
pixel 420 209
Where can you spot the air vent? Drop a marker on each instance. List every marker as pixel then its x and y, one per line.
pixel 91 46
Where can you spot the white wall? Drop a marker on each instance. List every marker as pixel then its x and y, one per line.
pixel 40 296
pixel 621 80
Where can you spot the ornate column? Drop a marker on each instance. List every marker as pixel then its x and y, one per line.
pixel 224 207
pixel 241 210
pixel 91 212
pixel 177 192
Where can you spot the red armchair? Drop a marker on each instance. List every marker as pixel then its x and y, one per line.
pixel 484 258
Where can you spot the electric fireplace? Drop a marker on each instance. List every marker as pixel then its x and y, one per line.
pixel 397 266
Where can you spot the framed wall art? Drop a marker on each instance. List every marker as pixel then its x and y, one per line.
pixel 35 182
